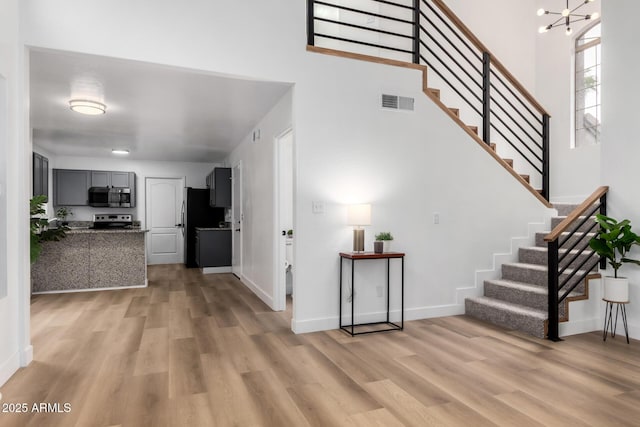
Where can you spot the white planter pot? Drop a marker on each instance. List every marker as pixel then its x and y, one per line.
pixel 386 246
pixel 616 289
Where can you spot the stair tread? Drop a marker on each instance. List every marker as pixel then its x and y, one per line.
pixel 507 306
pixel 527 287
pixel 546 249
pixel 537 267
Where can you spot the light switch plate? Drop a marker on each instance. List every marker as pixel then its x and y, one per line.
pixel 317 207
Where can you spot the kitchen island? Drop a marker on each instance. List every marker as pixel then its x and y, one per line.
pixel 91 259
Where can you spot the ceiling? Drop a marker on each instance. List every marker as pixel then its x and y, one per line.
pixel 156 112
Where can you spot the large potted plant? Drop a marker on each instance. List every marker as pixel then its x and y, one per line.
pixel 39 226
pixel 613 241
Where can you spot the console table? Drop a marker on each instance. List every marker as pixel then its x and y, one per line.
pixel 358 256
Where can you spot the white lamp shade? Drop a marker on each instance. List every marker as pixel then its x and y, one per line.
pixel 359 214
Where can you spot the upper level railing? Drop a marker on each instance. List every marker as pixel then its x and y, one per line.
pixel 428 32
pixel 570 258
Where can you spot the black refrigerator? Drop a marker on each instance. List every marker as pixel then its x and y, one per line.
pixel 196 212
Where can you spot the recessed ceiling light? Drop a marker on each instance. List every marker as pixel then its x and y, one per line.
pixel 118 151
pixel 84 106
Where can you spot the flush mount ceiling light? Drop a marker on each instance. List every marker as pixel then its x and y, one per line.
pixel 119 151
pixel 567 17
pixel 84 106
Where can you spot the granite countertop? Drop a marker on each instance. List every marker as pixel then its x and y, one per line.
pixel 86 230
pixel 212 228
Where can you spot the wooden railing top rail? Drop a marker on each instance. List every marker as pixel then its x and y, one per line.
pixel 477 43
pixel 564 225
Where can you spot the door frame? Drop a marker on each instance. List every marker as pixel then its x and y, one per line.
pixel 183 179
pixel 236 204
pixel 279 274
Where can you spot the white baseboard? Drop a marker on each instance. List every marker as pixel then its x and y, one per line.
pixel 66 291
pixel 579 327
pixel 216 270
pixel 328 323
pixel 26 357
pixel 9 367
pixel 266 298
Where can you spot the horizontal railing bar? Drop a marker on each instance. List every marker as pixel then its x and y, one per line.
pixel 532 125
pixel 453 31
pixel 517 123
pixel 575 256
pixel 403 6
pixel 572 247
pixel 446 52
pixel 364 12
pixel 451 71
pixel 517 149
pixel 577 212
pixel 584 274
pixel 516 96
pixel 435 70
pixel 362 27
pixel 363 43
pixel 465 57
pixel 494 61
pixel 562 241
pixel 497 116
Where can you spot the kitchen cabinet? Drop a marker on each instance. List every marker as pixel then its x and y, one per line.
pixel 71 187
pixel 213 247
pixel 112 179
pixel 219 183
pixel 40 175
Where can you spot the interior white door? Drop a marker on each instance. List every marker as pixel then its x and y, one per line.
pixel 236 207
pixel 165 241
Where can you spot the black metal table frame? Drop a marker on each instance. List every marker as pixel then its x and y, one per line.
pixel 350 328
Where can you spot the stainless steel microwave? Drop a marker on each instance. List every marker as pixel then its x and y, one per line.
pixel 109 197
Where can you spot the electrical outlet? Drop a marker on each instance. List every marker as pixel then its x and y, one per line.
pixel 436 218
pixel 317 207
pixel 380 291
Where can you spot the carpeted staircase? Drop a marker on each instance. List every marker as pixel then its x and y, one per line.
pixel 519 299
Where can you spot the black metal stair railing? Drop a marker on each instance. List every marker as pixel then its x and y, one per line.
pixel 570 258
pixel 428 32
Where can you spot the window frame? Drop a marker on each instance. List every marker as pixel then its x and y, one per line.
pixel 577 49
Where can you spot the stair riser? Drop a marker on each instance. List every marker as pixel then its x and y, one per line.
pixel 531 256
pixel 535 300
pixel 584 238
pixel 518 273
pixel 521 322
pixel 564 209
pixel 584 228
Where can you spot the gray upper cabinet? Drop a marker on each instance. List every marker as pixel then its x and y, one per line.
pixel 219 183
pixel 71 187
pixel 40 175
pixel 100 178
pixel 112 179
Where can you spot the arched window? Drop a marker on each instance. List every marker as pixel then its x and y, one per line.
pixel 587 87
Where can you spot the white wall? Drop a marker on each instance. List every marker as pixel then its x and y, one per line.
pixel 195 174
pixel 258 203
pixel 348 150
pixel 15 347
pixel 620 148
pixel 575 172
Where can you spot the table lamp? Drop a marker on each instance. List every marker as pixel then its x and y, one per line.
pixel 358 216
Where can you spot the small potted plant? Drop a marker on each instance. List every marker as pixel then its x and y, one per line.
pixel 62 213
pixel 383 242
pixel 613 241
pixel 290 234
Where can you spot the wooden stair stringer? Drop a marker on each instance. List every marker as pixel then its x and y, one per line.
pixel 436 100
pixel 567 300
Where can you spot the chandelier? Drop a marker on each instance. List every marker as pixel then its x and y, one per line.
pixel 567 17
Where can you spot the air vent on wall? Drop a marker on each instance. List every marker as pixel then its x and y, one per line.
pixel 395 102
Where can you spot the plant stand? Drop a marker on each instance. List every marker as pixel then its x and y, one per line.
pixel 610 324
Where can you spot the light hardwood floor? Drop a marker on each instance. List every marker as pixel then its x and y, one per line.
pixel 193 350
